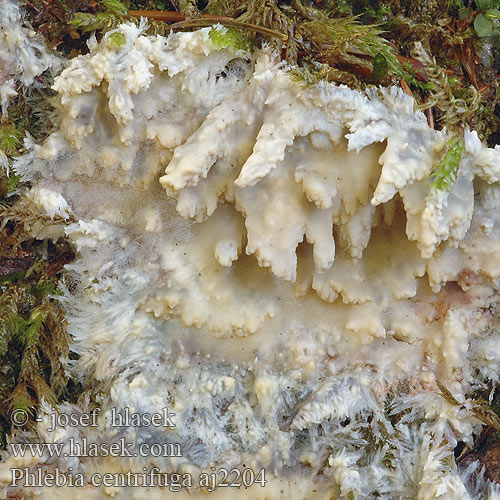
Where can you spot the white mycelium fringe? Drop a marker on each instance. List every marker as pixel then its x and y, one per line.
pixel 23 55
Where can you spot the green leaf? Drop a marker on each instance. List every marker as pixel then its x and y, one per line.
pixel 483 25
pixel 464 13
pixel 493 13
pixel 116 7
pixel 445 172
pixel 483 4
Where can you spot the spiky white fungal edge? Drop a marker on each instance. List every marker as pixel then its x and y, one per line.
pixel 23 54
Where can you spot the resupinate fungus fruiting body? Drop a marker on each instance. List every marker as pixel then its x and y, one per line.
pixel 273 262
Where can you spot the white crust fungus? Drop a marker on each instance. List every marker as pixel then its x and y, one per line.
pixel 266 259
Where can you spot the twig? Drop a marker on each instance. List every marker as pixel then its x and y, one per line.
pixel 429 114
pixel 166 16
pixel 430 117
pixel 207 20
pixel 465 56
pixel 196 23
pixel 406 89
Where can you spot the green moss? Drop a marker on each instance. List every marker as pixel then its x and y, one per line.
pixel 346 44
pixel 92 22
pixel 116 40
pixel 151 5
pixel 378 47
pixel 113 12
pixel 20 399
pixel 229 38
pixel 445 172
pixel 10 138
pixel 380 67
pixel 312 73
pixel 13 182
pixel 116 7
pixel 34 343
pixel 33 340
